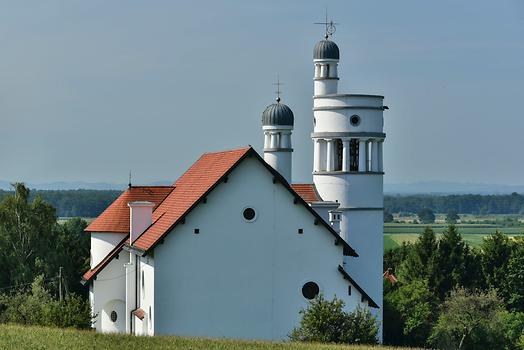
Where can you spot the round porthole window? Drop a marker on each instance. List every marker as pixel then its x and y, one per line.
pixel 354 120
pixel 249 214
pixel 310 290
pixel 113 316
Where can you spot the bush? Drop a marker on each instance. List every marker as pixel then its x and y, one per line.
pixel 326 321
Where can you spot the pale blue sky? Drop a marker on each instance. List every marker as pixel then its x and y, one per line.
pixel 91 89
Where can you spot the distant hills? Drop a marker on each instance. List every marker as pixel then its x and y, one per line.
pixel 423 187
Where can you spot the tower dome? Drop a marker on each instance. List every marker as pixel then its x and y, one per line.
pixel 277 114
pixel 326 49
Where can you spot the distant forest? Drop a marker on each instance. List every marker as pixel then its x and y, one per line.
pixel 71 203
pixel 90 203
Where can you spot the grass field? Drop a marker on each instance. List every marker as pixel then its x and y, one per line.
pixel 19 337
pixel 395 234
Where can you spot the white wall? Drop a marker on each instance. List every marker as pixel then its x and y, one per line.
pixel 281 162
pixel 146 295
pixel 102 243
pixel 108 293
pixel 239 279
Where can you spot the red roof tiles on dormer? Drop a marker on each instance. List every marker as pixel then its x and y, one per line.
pixel 116 217
pixel 308 192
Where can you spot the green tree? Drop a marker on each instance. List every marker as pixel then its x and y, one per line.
pixel 513 285
pixel 496 252
pixel 469 320
pixel 452 216
pixel 419 262
pixel 414 307
pixel 25 236
pixel 388 217
pixel 426 216
pixel 326 321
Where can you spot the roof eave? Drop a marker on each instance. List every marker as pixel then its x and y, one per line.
pixel 371 302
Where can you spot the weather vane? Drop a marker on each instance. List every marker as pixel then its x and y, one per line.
pixel 330 26
pixel 278 92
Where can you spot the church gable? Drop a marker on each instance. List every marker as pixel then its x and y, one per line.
pixel 249 240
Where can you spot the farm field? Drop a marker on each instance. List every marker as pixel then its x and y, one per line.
pixel 397 233
pixel 20 337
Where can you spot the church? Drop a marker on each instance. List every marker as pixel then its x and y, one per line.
pixel 233 248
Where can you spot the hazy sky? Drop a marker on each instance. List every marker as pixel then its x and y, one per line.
pixel 91 89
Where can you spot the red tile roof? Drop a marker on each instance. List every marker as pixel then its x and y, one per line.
pixel 101 265
pixel 308 192
pixel 388 275
pixel 116 217
pixel 190 188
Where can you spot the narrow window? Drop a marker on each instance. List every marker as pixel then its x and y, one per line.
pixel 353 155
pixel 349 290
pixel 327 70
pixel 197 231
pixel 338 155
pixel 300 231
pixel 113 316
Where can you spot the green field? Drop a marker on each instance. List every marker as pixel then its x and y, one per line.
pixel 19 337
pixel 397 233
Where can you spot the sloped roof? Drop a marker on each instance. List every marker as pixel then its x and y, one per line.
pixel 90 274
pixel 365 295
pixel 308 192
pixel 116 217
pixel 199 180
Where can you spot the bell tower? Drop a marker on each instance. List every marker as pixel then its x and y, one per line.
pixel 347 165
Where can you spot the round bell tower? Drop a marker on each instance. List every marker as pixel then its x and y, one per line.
pixel 348 137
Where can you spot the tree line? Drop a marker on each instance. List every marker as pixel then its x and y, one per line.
pixel 463 203
pixel 451 296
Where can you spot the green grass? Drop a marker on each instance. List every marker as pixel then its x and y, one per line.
pixel 19 337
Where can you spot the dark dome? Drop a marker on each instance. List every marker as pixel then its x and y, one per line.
pixel 278 114
pixel 326 49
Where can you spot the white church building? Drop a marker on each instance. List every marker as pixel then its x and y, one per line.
pixel 233 248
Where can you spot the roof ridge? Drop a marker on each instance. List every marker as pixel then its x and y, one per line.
pixel 228 150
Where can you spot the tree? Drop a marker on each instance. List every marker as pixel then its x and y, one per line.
pixel 326 321
pixel 469 320
pixel 496 252
pixel 452 216
pixel 388 217
pixel 513 285
pixel 419 262
pixel 25 236
pixel 426 216
pixel 415 307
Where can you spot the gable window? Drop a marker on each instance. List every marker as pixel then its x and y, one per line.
pixel 310 290
pixel 249 214
pixel 113 316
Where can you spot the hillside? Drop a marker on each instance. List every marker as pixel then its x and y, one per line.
pixel 19 337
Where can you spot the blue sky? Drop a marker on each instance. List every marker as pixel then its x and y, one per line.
pixel 91 89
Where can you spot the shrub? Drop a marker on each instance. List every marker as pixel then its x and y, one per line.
pixel 326 321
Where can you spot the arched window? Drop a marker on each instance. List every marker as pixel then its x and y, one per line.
pixel 353 155
pixel 339 150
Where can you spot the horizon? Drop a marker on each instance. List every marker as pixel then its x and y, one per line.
pixel 92 90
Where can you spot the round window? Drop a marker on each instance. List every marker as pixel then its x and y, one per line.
pixel 249 214
pixel 113 316
pixel 310 290
pixel 354 120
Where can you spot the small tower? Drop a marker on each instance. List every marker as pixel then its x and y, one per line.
pixel 277 124
pixel 347 164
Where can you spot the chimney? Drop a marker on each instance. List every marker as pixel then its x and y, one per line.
pixel 140 218
pixel 334 220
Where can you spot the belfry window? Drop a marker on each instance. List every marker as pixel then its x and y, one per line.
pixel 327 71
pixel 338 154
pixel 353 155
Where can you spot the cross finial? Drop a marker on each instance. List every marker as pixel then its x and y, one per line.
pixel 129 184
pixel 330 26
pixel 278 92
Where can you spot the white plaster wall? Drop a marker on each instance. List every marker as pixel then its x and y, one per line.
pixel 337 120
pixel 147 294
pixel 351 190
pixel 102 243
pixel 281 162
pixel 325 86
pixel 239 279
pixel 109 286
pixel 348 100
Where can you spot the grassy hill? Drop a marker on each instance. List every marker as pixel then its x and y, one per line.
pixel 19 337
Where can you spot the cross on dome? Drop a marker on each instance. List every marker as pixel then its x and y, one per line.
pixel 330 26
pixel 278 92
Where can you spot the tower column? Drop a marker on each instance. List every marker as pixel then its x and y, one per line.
pixel 374 155
pixel 274 141
pixel 267 140
pixel 345 155
pixel 316 155
pixel 362 155
pixel 330 155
